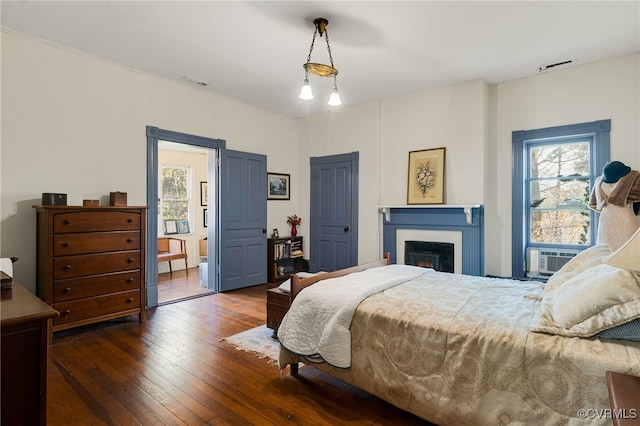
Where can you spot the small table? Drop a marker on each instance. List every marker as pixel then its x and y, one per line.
pixel 624 398
pixel 278 303
pixel 25 351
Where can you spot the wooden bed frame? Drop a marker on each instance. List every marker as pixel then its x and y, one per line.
pixel 298 284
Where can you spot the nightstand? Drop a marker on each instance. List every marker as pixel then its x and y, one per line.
pixel 278 302
pixel 624 398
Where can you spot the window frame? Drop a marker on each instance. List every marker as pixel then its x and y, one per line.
pixel 598 134
pixel 161 199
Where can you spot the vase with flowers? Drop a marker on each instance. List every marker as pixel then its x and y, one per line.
pixel 294 221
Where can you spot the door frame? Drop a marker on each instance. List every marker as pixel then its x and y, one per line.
pixel 155 134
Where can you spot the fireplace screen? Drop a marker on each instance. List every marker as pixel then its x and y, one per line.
pixel 425 254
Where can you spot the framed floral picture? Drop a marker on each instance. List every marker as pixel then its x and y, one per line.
pixel 426 177
pixel 278 185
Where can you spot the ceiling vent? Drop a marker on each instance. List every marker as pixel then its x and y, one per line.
pixel 194 80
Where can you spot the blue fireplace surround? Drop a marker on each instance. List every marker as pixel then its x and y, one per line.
pixel 468 219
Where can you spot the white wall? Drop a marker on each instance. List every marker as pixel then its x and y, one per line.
pixel 474 122
pixel 384 132
pixel 77 125
pixel 596 91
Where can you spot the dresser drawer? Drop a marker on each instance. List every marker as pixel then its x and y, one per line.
pixel 94 285
pixel 95 221
pixel 78 310
pixel 95 242
pixel 93 264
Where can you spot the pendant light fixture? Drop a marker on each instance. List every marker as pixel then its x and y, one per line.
pixel 320 70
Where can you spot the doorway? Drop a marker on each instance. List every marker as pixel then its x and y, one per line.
pixel 183 173
pixel 210 213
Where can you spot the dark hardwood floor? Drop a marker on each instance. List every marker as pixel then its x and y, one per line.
pixel 174 370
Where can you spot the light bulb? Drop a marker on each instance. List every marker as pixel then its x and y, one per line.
pixel 334 99
pixel 306 93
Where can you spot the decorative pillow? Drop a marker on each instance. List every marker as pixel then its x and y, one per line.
pixel 627 331
pixel 584 260
pixel 597 299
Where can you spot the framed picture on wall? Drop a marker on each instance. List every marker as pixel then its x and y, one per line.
pixel 183 227
pixel 205 217
pixel 278 185
pixel 204 193
pixel 170 227
pixel 426 176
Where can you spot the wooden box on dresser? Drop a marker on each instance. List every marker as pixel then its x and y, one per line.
pixel 91 262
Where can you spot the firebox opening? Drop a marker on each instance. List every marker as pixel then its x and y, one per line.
pixel 426 254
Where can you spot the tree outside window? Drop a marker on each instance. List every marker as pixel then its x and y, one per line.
pixel 558 183
pixel 175 192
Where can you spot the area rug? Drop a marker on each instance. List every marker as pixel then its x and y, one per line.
pixel 258 341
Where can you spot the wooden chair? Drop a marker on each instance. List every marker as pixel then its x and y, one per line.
pixel 166 255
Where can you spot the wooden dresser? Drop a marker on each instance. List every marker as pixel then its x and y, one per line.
pixel 25 353
pixel 91 262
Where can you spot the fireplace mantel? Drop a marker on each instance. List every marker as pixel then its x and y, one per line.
pixel 467 208
pixel 467 219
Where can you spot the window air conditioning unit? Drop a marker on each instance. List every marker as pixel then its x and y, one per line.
pixel 550 261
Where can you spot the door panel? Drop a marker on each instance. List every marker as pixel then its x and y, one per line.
pixel 334 196
pixel 243 214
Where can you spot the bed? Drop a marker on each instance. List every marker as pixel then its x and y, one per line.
pixel 456 349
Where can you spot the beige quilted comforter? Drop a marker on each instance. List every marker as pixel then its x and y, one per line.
pixel 457 350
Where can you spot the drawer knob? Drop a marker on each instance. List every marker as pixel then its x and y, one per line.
pixel 66 222
pixel 129 240
pixel 66 244
pixel 129 300
pixel 130 220
pixel 66 313
pixel 67 290
pixel 66 267
pixel 129 260
pixel 129 280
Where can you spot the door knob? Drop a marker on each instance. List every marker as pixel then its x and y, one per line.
pixel 346 229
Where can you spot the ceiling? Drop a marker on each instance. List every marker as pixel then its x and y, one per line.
pixel 254 51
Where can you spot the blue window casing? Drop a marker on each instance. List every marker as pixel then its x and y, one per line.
pixel 598 135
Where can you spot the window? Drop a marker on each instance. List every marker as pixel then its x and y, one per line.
pixel 554 169
pixel 175 193
pixel 557 193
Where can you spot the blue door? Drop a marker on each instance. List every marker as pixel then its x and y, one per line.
pixel 334 212
pixel 243 219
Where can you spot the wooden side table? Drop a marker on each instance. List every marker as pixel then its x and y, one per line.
pixel 624 398
pixel 25 352
pixel 278 303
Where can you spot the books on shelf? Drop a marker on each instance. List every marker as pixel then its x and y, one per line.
pixel 287 249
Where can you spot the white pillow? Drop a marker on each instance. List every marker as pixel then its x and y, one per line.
pixel 592 301
pixel 584 260
pixel 286 285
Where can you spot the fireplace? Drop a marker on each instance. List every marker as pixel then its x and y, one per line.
pixel 461 228
pixel 427 254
